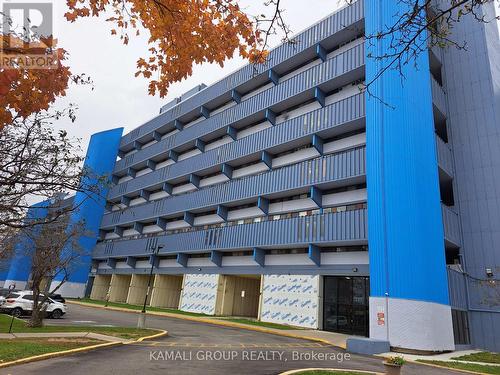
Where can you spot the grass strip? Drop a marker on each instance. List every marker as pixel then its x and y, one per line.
pixel 19 326
pixel 13 349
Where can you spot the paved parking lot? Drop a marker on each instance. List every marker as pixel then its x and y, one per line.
pixel 198 348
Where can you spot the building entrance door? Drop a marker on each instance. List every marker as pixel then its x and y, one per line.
pixel 345 306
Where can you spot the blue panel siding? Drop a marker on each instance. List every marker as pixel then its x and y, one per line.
pixel 306 40
pixel 20 264
pixel 406 238
pixel 340 168
pixel 89 207
pixel 4 269
pixel 335 118
pixel 333 228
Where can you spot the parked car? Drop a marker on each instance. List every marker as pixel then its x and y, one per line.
pixel 21 303
pixel 57 298
pixel 4 292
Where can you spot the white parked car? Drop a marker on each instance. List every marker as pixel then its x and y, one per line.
pixel 4 292
pixel 21 303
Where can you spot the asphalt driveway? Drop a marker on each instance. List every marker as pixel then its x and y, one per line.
pixel 198 348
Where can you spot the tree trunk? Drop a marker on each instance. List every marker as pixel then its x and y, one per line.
pixel 36 319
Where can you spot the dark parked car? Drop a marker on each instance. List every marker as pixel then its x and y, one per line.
pixel 57 298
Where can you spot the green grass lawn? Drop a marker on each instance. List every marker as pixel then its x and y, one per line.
pixel 176 311
pixel 12 349
pixel 465 366
pixel 480 357
pixel 20 326
pixel 326 372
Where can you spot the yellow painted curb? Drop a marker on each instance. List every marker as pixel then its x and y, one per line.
pixel 156 335
pixel 330 369
pixel 84 349
pixel 213 321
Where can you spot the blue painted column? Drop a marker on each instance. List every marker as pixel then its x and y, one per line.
pixel 409 304
pixel 21 261
pixel 4 270
pixel 89 208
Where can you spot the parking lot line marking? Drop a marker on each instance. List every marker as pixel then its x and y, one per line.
pixel 231 345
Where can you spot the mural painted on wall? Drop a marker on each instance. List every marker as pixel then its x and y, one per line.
pixel 200 293
pixel 290 299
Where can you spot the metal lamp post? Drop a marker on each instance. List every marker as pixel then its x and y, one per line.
pixel 141 322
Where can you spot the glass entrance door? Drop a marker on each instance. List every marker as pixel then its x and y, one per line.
pixel 345 304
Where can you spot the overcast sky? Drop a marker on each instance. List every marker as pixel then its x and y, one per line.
pixel 120 99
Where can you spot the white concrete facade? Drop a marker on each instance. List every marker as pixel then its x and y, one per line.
pixel 401 322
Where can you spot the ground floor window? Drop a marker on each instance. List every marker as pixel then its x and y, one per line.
pixel 345 304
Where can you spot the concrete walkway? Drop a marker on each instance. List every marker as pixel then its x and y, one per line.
pixel 445 357
pixel 90 335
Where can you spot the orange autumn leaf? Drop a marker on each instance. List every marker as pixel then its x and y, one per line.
pixel 25 90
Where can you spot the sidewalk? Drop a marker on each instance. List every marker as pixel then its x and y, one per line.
pixel 445 357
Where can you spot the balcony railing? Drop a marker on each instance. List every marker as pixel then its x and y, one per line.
pixel 438 96
pixel 335 168
pixel 333 116
pixel 445 156
pixel 299 85
pixel 339 228
pixel 451 226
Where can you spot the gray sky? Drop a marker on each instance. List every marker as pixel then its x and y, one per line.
pixel 120 99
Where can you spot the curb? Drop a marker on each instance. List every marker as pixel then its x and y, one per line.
pixel 62 353
pixel 41 357
pixel 290 372
pixel 212 321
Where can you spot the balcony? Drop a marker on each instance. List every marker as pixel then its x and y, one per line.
pixel 451 226
pixel 346 167
pixel 346 21
pixel 335 229
pixel 333 73
pixel 438 97
pixel 341 116
pixel 445 157
pixel 457 289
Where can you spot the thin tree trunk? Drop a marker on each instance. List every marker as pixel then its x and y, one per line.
pixel 36 319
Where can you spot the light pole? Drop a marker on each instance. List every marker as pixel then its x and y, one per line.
pixel 141 322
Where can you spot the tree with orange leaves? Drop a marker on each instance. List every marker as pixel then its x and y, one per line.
pixel 181 33
pixel 31 77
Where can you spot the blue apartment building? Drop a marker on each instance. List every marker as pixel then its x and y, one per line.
pixel 284 193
